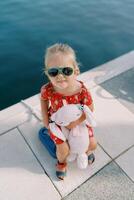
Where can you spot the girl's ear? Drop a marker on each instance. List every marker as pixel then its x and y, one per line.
pixel 76 70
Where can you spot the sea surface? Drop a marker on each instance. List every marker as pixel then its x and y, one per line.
pixel 98 30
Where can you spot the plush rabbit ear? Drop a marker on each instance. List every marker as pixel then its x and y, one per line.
pixel 89 116
pixel 56 131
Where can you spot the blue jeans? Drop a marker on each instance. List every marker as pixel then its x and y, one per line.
pixel 47 141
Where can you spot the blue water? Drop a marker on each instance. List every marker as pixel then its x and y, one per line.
pixel 98 30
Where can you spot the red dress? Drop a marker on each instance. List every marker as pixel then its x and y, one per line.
pixel 56 101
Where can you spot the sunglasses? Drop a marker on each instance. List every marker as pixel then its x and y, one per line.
pixel 67 71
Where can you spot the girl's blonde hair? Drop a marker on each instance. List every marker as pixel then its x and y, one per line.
pixel 64 49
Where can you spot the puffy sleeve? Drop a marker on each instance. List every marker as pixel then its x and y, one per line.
pixel 44 92
pixel 86 97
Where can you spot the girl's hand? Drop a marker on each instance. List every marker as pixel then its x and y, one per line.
pixel 77 122
pixel 72 124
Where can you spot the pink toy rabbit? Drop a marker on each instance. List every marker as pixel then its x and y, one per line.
pixel 78 137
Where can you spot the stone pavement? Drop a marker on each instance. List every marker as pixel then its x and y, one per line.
pixel 27 172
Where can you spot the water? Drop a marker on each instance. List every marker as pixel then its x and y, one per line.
pixel 98 30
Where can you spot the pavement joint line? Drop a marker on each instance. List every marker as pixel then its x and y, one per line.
pixel 123 171
pixel 31 149
pixel 6 132
pixel 10 129
pixel 114 159
pixel 38 160
pixel 105 150
pixel 88 179
pixel 124 151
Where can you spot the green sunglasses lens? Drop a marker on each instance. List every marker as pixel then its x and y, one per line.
pixel 53 72
pixel 67 71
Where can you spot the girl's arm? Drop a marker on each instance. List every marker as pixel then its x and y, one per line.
pixel 91 106
pixel 44 111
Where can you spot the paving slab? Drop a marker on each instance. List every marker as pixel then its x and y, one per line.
pixel 75 176
pixel 126 162
pixel 115 123
pixel 21 176
pixel 122 88
pixel 109 184
pixel 11 111
pixel 19 113
pixel 12 122
pixel 33 101
pixel 108 70
pixel 33 109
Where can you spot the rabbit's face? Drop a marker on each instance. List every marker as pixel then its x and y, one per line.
pixel 67 114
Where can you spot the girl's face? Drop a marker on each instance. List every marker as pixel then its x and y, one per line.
pixel 61 81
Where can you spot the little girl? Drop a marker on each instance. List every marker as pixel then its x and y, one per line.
pixel 62 70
